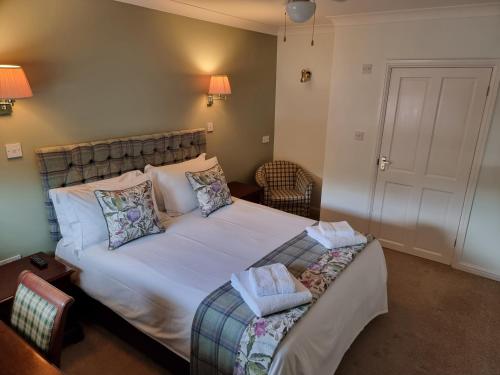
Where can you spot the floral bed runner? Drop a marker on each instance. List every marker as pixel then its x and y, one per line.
pixel 227 338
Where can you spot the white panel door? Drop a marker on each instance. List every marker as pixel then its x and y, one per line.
pixel 431 127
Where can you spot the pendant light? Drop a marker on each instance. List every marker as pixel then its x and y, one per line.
pixel 300 11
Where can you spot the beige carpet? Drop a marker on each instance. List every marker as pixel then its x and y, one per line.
pixel 441 322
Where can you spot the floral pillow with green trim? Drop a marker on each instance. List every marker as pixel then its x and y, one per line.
pixel 211 189
pixel 129 213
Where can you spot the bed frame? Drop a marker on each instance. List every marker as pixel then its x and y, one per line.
pixel 76 164
pixel 88 309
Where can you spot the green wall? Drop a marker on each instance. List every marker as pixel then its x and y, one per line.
pixel 100 69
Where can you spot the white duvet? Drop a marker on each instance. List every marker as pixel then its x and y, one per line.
pixel 157 282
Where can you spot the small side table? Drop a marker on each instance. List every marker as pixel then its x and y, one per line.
pixel 248 192
pixel 56 273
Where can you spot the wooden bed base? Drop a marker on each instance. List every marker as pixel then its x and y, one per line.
pixel 88 309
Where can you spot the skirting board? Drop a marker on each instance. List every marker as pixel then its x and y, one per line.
pixel 9 260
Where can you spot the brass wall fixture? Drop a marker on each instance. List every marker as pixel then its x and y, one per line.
pixel 305 75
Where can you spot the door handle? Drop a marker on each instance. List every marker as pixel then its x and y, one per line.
pixel 383 163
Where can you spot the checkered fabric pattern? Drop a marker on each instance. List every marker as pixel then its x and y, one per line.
pixel 33 317
pixel 286 186
pixel 223 316
pixel 88 162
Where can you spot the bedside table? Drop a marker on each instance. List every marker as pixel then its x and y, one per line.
pixel 56 273
pixel 248 192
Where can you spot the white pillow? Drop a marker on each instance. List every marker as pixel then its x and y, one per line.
pixel 64 218
pixel 79 214
pixel 153 171
pixel 171 181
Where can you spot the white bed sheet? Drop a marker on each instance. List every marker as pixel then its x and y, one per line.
pixel 157 282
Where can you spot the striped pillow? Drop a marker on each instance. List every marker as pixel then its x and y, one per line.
pixel 33 317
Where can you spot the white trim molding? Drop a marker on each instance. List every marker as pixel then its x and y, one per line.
pixel 461 11
pixel 188 10
pixel 306 29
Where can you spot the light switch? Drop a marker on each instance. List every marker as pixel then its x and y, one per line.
pixel 367 68
pixel 210 127
pixel 359 135
pixel 14 150
pixel 265 139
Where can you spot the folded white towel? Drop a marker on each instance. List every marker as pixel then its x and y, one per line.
pixel 333 242
pixel 271 280
pixel 266 305
pixel 340 228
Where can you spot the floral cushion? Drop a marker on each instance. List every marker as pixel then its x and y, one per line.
pixel 129 213
pixel 211 189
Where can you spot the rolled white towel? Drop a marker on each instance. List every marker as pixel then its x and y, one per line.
pixel 262 306
pixel 333 242
pixel 340 228
pixel 270 280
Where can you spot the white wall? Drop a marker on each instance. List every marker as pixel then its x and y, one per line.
pixel 355 104
pixel 482 247
pixel 302 108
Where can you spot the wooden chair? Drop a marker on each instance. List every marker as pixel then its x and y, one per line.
pixel 286 186
pixel 39 314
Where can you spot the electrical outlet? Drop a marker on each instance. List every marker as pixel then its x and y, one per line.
pixel 265 139
pixel 14 150
pixel 210 127
pixel 359 135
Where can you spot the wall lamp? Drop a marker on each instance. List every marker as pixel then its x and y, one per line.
pixel 305 75
pixel 13 85
pixel 219 89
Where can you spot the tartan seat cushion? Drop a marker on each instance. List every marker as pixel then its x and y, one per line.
pixel 33 317
pixel 285 195
pixel 281 174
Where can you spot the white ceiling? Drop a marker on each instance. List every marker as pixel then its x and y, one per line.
pixel 268 14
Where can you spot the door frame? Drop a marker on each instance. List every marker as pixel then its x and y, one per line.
pixel 487 118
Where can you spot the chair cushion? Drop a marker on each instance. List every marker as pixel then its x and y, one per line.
pixel 286 195
pixel 281 174
pixel 33 317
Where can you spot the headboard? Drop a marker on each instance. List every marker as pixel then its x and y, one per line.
pixel 76 164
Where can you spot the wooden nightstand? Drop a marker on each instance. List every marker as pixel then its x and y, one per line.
pixel 248 192
pixel 56 273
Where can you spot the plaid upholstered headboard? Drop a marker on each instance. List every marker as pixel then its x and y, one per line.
pixel 76 164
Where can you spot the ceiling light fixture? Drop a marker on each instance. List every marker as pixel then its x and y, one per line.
pixel 301 11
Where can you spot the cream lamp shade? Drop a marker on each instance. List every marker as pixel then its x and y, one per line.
pixel 13 83
pixel 219 85
pixel 219 88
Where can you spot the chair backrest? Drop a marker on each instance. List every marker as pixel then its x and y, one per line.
pixel 281 174
pixel 39 314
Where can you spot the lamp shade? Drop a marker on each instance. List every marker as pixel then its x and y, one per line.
pixel 219 85
pixel 300 10
pixel 13 83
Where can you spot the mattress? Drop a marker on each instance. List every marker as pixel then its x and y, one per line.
pixel 157 282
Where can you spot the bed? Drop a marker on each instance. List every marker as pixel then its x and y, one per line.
pixel 157 282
